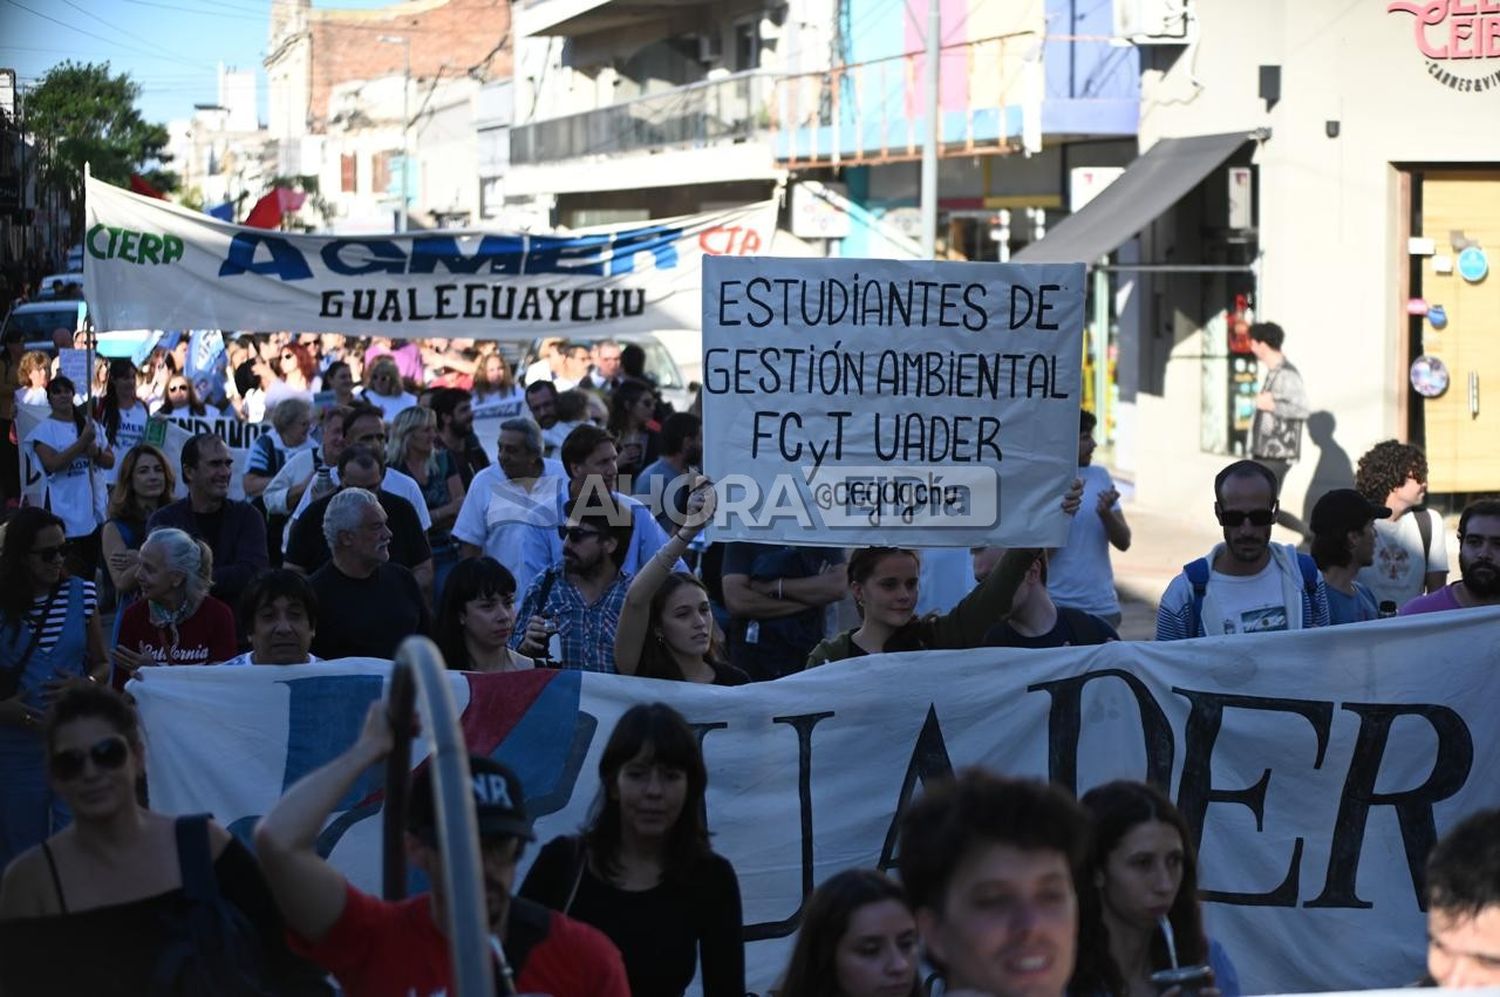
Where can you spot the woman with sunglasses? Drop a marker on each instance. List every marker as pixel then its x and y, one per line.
pixel 181 398
pixel 146 484
pixel 632 418
pixel 49 632
pixel 296 376
pixel 1143 868
pixel 175 621
pixel 122 414
pixel 642 871
pixel 666 626
pixel 119 876
pixel 71 450
pixel 858 939
pixel 384 390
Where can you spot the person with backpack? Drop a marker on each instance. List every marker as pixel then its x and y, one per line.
pixel 167 905
pixel 1246 584
pixel 1411 552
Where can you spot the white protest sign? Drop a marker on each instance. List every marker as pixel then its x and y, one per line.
pixel 151 264
pixel 238 436
pixel 1318 766
pixel 74 365
pixel 854 402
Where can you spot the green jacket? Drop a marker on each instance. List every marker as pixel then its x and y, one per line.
pixel 964 625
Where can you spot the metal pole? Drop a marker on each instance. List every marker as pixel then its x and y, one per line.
pixel 930 140
pixel 1101 345
pixel 469 944
pixel 405 130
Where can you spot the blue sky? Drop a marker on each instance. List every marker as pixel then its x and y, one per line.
pixel 170 47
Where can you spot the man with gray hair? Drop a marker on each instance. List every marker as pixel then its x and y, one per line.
pixel 510 502
pixel 367 605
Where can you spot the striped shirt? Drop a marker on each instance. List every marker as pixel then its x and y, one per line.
pixel 52 626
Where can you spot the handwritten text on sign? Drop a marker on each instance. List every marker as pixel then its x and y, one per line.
pixel 847 401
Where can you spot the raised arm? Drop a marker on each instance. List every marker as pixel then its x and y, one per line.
pixel 309 891
pixel 635 615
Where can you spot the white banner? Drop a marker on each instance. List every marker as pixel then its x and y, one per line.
pixel 1320 766
pixel 238 436
pixel 854 402
pixel 154 265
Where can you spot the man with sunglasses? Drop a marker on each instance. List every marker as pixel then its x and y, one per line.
pixel 1246 584
pixel 580 598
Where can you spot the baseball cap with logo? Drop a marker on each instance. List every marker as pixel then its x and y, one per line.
pixel 499 804
pixel 1344 510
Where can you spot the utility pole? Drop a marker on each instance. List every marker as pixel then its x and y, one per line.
pixel 934 132
pixel 405 43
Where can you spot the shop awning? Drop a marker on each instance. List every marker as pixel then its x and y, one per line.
pixel 1148 187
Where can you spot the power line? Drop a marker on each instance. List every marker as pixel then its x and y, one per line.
pixel 116 27
pixel 102 38
pixel 201 12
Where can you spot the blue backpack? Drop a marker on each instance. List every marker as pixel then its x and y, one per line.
pixel 1198 572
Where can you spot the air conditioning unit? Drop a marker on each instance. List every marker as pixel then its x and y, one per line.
pixel 1155 22
pixel 710 47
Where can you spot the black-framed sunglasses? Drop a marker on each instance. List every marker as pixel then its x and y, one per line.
pixel 108 755
pixel 576 534
pixel 1257 517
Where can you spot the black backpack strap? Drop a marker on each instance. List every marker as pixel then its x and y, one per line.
pixel 195 859
pixel 1424 527
pixel 527 925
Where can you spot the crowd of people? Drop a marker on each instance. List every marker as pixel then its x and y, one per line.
pixel 373 512
pixel 1007 886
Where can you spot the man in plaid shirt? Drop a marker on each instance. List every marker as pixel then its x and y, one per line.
pixel 572 608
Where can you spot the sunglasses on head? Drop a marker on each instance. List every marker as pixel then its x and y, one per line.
pixel 108 755
pixel 575 533
pixel 1257 517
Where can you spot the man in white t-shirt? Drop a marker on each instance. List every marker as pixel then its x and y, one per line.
pixel 508 511
pixel 1411 556
pixel 1246 584
pixel 1079 575
pixel 280 612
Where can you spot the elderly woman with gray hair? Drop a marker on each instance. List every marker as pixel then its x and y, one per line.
pixel 175 621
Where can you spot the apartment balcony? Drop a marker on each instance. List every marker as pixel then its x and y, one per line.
pixel 714 130
pixel 568 18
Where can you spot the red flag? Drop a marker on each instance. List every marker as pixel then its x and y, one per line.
pixel 269 209
pixel 139 185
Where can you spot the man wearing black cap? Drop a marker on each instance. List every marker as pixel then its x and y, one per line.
pixel 1343 526
pixel 378 948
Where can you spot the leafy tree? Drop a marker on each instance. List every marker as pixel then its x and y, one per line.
pixel 81 113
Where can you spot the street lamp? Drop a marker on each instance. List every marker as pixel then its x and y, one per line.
pixel 405 44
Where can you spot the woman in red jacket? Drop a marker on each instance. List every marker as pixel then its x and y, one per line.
pixel 175 621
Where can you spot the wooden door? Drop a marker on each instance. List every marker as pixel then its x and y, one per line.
pixel 1463 426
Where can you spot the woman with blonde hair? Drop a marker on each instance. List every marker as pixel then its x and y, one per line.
pixel 384 390
pixel 494 389
pixel 146 483
pixel 412 450
pixel 176 621
pixel 32 375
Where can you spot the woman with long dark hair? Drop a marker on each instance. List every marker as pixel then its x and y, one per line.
pixel 642 872
pixel 49 631
pixel 666 628
pixel 1143 867
pixel 477 617
pixel 858 939
pixel 632 419
pixel 122 414
pixel 119 877
pixel 181 398
pixel 72 452
pixel 146 483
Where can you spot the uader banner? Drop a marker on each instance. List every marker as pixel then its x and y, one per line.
pixel 1317 767
pixel 853 402
pixel 154 265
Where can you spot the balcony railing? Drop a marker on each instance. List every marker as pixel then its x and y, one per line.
pixel 729 109
pixel 874 111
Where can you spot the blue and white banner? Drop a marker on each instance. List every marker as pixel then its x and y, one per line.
pixel 154 265
pixel 1318 767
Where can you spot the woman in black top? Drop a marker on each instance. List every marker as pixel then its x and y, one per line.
pixel 118 877
pixel 666 626
pixel 643 872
